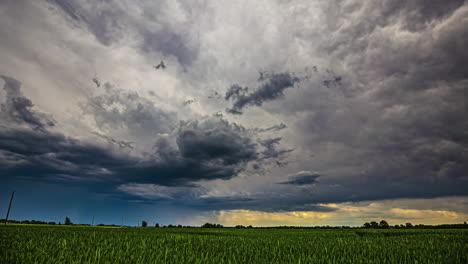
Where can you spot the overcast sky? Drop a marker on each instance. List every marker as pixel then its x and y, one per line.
pixel 237 112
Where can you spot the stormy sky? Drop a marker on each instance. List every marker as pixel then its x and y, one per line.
pixel 262 112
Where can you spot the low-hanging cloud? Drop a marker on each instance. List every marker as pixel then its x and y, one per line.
pixel 302 178
pixel 205 149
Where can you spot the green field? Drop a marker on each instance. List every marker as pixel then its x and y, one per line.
pixel 51 244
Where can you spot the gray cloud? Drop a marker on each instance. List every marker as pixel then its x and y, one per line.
pixel 400 125
pixel 272 88
pixel 201 198
pixel 121 143
pixel 118 109
pixel 272 128
pixel 19 108
pixel 68 8
pixel 43 155
pixel 110 23
pixel 215 140
pixel 302 178
pixel 206 149
pixel 270 151
pixel 272 205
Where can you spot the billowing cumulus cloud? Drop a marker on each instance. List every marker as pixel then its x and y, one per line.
pixel 215 140
pixel 115 109
pixel 208 149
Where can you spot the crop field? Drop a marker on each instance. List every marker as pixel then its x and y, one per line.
pixel 58 244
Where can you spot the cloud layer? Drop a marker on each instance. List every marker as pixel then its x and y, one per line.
pixel 355 101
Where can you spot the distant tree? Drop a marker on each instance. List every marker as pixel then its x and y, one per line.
pixel 250 226
pixel 170 226
pixel 384 224
pixel 144 224
pixel 374 224
pixel 209 225
pixel 367 225
pixel 156 225
pixel 409 225
pixel 179 226
pixel 68 221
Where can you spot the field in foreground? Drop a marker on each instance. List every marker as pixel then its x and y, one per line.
pixel 48 244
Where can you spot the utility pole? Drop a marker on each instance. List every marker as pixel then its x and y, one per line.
pixel 9 206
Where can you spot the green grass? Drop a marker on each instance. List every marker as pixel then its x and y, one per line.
pixel 51 244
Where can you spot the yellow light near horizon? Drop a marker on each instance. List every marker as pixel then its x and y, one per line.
pixel 345 214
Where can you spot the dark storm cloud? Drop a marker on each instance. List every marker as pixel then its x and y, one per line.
pixel 48 156
pixel 302 178
pixel 201 198
pixel 401 131
pixel 42 155
pixel 271 89
pixel 19 109
pixel 215 140
pixel 204 150
pixel 435 53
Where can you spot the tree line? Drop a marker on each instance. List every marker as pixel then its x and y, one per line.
pixel 383 224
